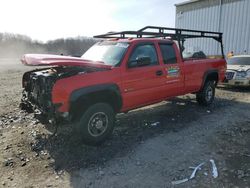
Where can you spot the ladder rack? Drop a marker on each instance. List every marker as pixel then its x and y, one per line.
pixel 165 32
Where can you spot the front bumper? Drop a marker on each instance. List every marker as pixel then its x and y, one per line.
pixel 51 111
pixel 237 82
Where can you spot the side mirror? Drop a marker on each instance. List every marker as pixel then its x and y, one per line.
pixel 140 62
pixel 143 61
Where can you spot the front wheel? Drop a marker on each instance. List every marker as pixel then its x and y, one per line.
pixel 206 96
pixel 97 123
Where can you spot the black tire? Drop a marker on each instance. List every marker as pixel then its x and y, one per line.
pixel 97 123
pixel 206 96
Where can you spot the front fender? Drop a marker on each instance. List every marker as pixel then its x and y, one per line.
pixel 81 98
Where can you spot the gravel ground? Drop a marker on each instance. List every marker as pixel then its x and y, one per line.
pixel 150 147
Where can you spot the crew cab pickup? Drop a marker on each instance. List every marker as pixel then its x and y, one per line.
pixel 118 75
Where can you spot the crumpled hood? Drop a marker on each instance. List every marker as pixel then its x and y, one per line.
pixel 238 67
pixel 52 60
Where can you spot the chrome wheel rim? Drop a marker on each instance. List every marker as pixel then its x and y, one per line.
pixel 98 124
pixel 209 94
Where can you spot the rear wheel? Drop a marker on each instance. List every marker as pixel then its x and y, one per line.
pixel 206 96
pixel 97 123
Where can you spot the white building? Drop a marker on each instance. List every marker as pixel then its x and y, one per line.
pixel 231 17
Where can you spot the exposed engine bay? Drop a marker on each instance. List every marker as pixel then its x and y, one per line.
pixel 38 86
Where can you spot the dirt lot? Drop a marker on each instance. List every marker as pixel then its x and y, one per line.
pixel 150 147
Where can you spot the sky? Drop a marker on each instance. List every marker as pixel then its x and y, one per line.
pixel 50 19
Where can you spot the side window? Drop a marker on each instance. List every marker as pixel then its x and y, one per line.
pixel 168 53
pixel 146 50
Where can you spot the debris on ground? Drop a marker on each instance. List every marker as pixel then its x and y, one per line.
pixel 9 162
pixel 215 171
pixel 247 155
pixel 180 181
pixel 195 169
pixel 155 124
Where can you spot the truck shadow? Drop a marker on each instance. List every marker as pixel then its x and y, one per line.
pixel 132 129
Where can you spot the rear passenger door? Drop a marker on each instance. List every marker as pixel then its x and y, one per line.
pixel 143 85
pixel 173 69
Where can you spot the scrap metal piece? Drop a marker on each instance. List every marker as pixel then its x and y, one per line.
pixel 179 181
pixel 195 170
pixel 215 171
pixel 155 124
pixel 191 177
pixel 246 155
pixel 192 168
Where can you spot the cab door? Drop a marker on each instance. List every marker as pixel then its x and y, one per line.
pixel 142 84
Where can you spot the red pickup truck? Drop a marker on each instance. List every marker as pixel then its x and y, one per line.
pixel 117 75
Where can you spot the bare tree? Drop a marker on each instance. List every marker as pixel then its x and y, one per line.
pixel 15 45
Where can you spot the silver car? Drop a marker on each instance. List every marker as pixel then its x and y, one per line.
pixel 238 71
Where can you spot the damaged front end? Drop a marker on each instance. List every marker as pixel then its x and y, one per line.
pixel 38 85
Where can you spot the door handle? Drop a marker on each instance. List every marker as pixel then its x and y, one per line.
pixel 159 73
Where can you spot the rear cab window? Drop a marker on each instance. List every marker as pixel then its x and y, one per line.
pixel 168 53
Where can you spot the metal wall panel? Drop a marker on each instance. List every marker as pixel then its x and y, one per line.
pixel 230 17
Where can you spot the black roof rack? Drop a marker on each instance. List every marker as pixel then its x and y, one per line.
pixel 164 32
pixel 156 32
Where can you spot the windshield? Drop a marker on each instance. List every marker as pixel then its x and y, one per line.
pixel 109 52
pixel 239 61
